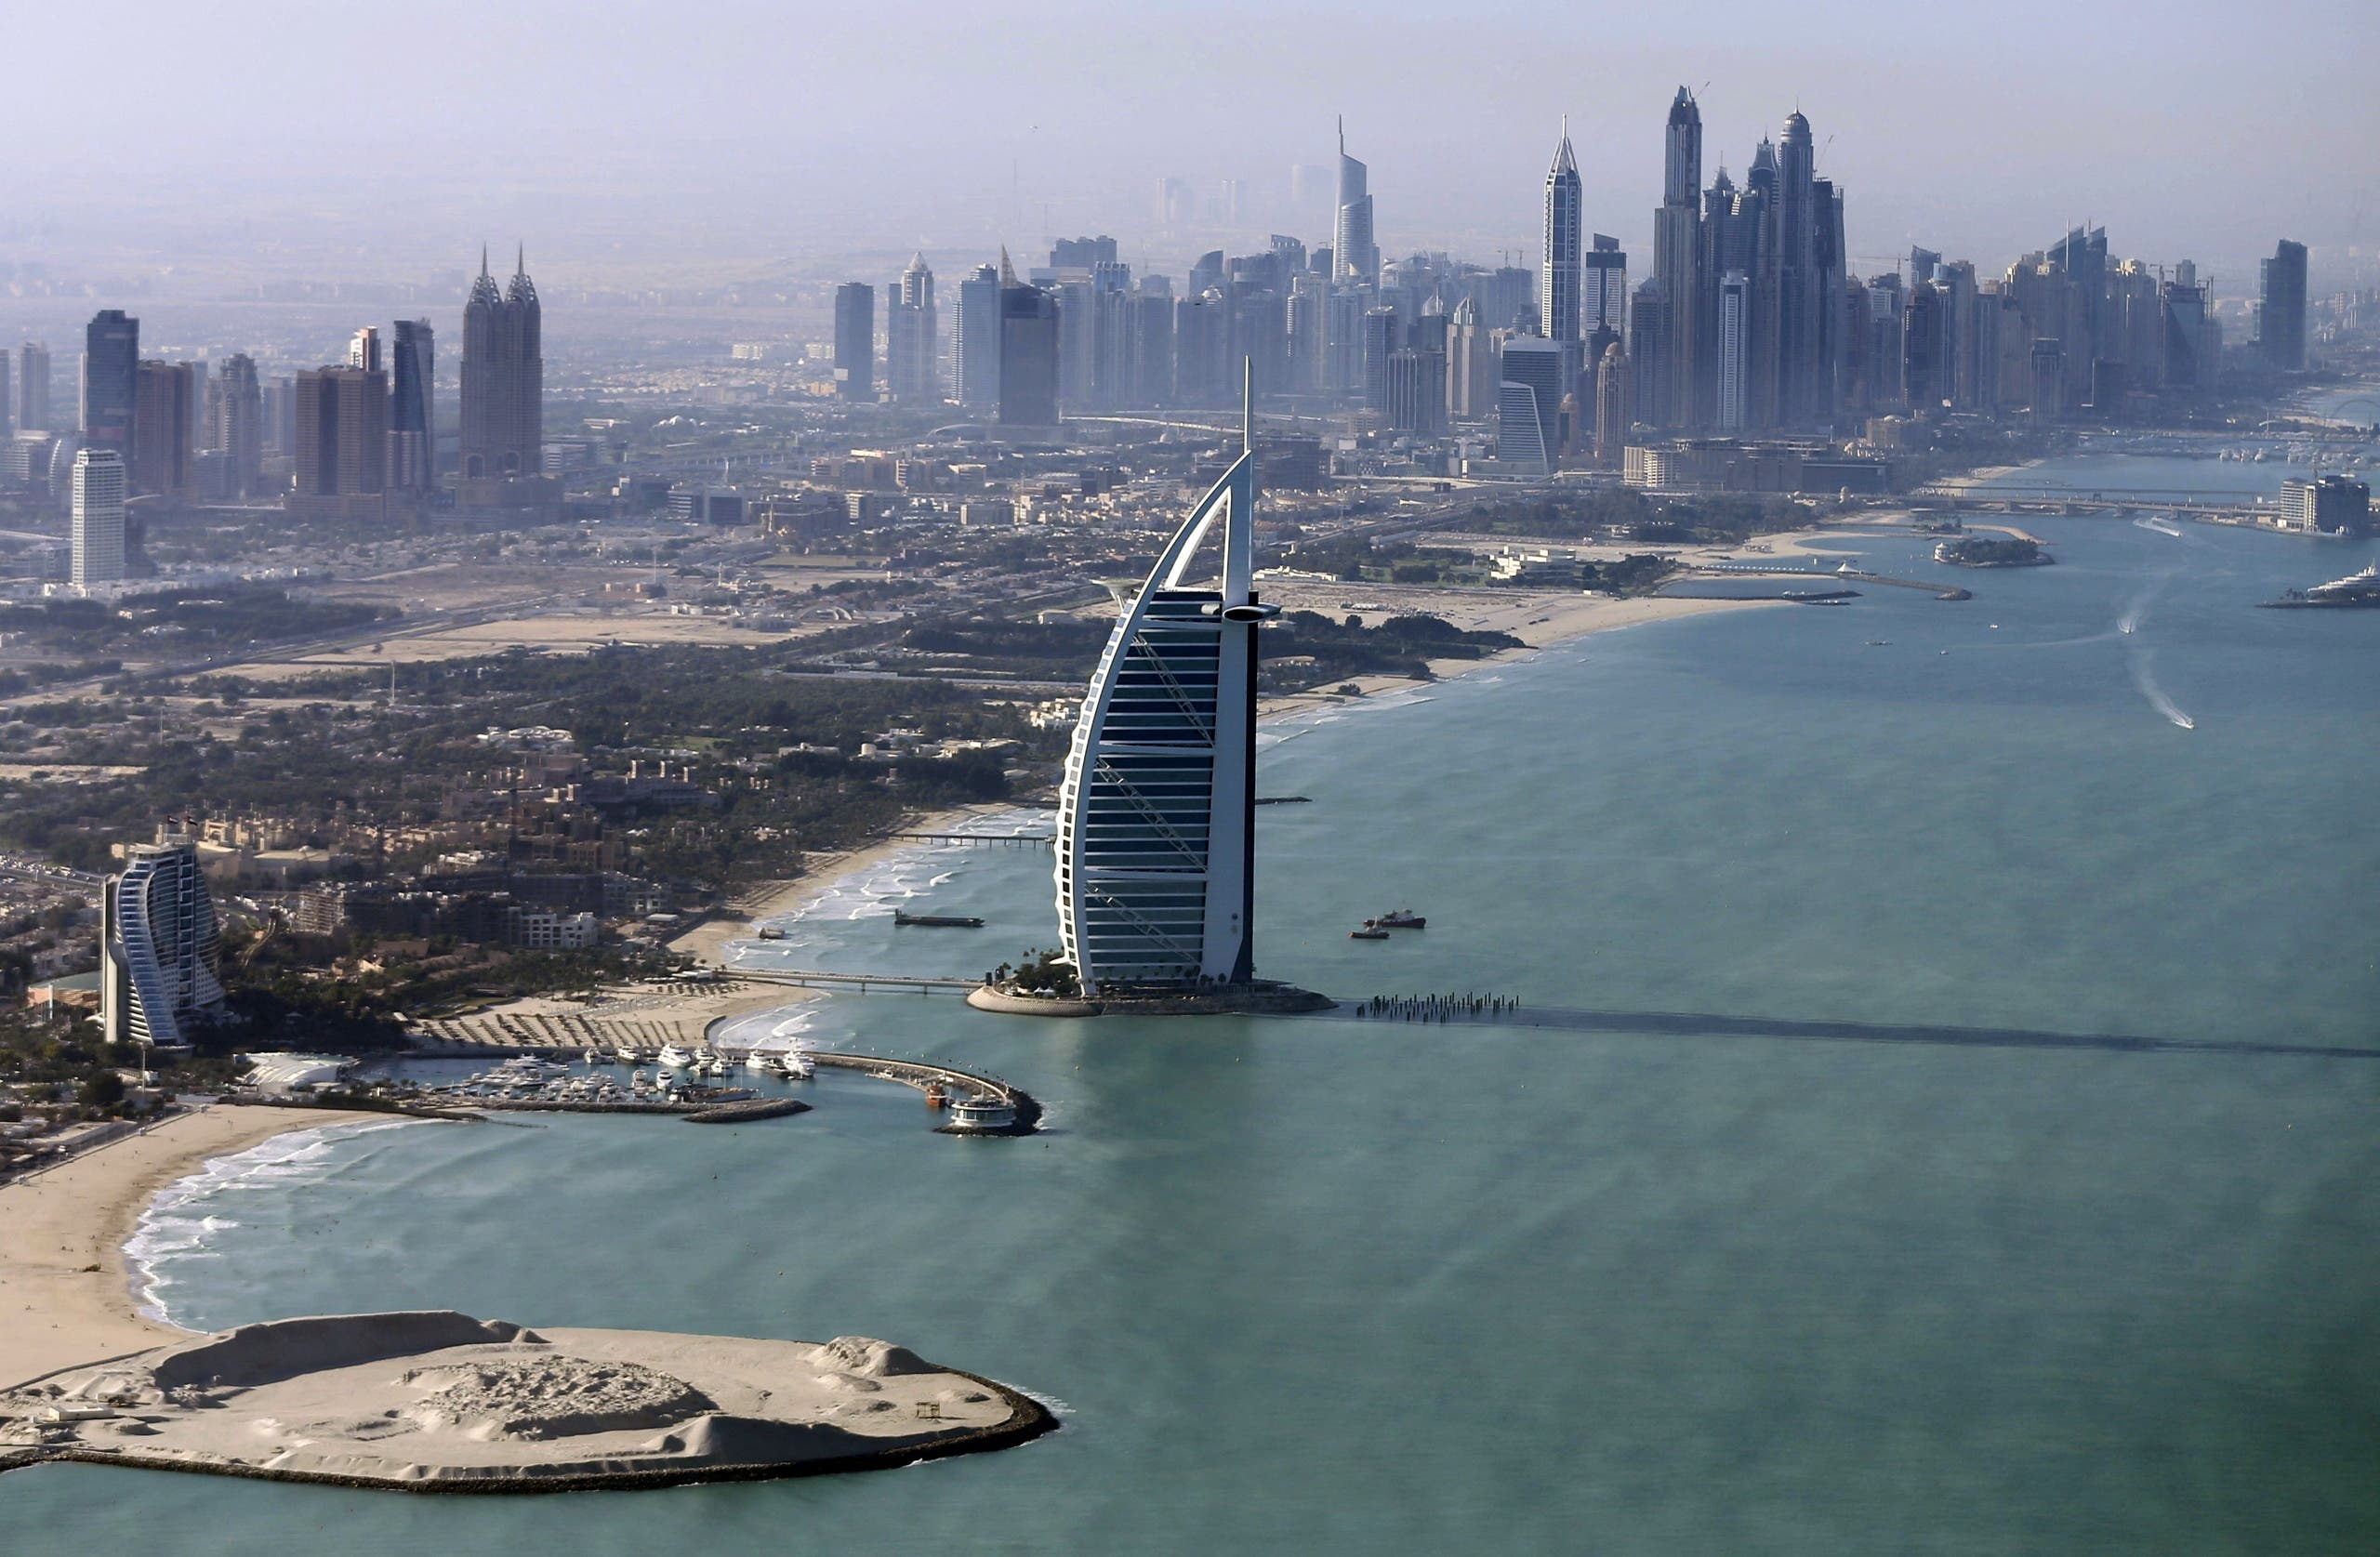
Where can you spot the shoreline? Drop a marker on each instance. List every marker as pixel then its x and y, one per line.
pixel 708 940
pixel 66 1294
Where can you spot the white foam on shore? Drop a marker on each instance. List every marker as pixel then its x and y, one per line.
pixel 873 890
pixel 177 1227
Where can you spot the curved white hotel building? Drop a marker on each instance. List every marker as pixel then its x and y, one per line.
pixel 1155 841
pixel 158 948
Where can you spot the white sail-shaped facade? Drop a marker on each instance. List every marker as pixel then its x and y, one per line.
pixel 1155 872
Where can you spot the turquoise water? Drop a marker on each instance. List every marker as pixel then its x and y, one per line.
pixel 1674 1272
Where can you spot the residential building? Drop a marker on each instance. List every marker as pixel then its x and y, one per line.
pixel 912 339
pixel 2280 308
pixel 975 344
pixel 101 485
pixel 165 427
pixel 855 342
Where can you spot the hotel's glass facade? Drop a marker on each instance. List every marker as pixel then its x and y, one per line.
pixel 1153 874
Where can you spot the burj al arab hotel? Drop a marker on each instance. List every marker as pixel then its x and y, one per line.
pixel 1156 833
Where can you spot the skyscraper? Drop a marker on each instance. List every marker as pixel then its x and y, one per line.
pixel 2281 307
pixel 1529 404
pixel 111 379
pixel 976 346
pixel 504 379
pixel 342 442
pixel 165 427
pixel 98 534
pixel 234 424
pixel 158 945
pixel 855 342
pixel 1799 342
pixel 413 423
pixel 364 348
pixel 1156 856
pixel 1603 301
pixel 1353 251
pixel 1559 274
pixel 1028 359
pixel 1471 363
pixel 1614 412
pixel 8 405
pixel 1732 341
pixel 1672 398
pixel 911 337
pixel 33 389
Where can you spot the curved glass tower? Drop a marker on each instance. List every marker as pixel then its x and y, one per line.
pixel 158 948
pixel 1155 841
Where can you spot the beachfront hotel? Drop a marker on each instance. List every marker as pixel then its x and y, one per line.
pixel 158 946
pixel 1155 840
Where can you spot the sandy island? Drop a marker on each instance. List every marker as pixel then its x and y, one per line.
pixel 65 1283
pixel 440 1402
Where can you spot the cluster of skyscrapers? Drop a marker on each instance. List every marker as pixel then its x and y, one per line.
pixel 358 436
pixel 1751 322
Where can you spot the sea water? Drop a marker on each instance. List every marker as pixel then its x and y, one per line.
pixel 1824 1198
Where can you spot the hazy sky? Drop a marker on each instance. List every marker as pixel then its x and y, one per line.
pixel 614 131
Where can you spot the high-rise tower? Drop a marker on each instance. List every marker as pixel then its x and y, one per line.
pixel 1674 397
pixel 2281 307
pixel 111 379
pixel 1558 277
pixel 975 344
pixel 33 388
pixel 100 488
pixel 855 342
pixel 413 425
pixel 1155 869
pixel 234 423
pixel 504 379
pixel 1353 253
pixel 911 337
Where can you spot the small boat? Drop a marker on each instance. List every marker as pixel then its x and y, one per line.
pixel 936 1097
pixel 771 933
pixel 1369 932
pixel 937 921
pixel 597 1057
pixel 1400 918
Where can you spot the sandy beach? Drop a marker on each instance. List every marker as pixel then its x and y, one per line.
pixel 708 941
pixel 1539 619
pixel 65 1285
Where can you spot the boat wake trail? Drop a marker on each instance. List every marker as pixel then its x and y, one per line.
pixel 2143 677
pixel 1701 1025
pixel 2136 615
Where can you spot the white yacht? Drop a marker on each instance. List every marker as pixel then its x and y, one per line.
pixel 675 1058
pixel 796 1066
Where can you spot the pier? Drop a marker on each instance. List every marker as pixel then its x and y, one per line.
pixel 1781 570
pixel 922 1075
pixel 906 983
pixel 1016 841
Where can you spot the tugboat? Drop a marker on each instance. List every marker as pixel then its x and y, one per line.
pixel 936 1098
pixel 937 921
pixel 1372 932
pixel 1401 918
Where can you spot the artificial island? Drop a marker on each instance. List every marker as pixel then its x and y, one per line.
pixel 441 1402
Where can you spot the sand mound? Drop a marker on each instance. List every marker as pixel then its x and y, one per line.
pixel 285 1347
pixel 869 1359
pixel 551 1397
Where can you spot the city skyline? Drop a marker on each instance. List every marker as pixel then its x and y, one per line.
pixel 2008 133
